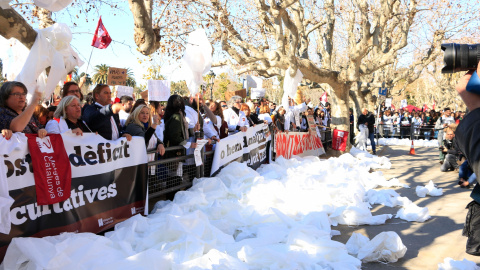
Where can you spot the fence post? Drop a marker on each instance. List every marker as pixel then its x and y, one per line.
pixel 200 172
pixel 411 131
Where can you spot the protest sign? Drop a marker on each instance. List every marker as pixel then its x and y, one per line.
pixel 242 93
pixel 108 186
pixel 257 93
pixel 117 76
pixel 339 141
pixel 298 144
pixel 124 91
pixel 158 90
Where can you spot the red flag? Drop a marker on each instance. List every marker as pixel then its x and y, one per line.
pixel 101 39
pixel 323 98
pixel 393 107
pixel 51 168
pixel 433 107
pixel 425 107
pixel 339 141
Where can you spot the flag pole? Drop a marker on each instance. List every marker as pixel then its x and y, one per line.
pixel 86 71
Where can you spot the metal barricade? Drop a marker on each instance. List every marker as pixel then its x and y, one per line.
pixel 403 131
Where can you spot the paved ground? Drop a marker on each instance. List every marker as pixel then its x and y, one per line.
pixel 440 237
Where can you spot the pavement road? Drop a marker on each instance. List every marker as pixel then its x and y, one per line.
pixel 427 243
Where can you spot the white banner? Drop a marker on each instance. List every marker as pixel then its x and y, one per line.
pixel 89 154
pixel 232 148
pixel 158 90
pixel 257 93
pixel 254 82
pixel 124 91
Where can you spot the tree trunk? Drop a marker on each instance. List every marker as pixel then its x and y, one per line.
pixel 339 112
pixel 13 25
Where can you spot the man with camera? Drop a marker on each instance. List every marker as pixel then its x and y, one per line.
pixel 468 131
pixel 449 150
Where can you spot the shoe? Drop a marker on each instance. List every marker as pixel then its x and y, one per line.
pixel 374 153
pixel 441 162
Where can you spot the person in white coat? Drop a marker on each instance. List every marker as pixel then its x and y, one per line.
pixel 69 113
pixel 293 115
pixel 235 118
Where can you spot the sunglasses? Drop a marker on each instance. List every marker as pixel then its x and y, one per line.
pixel 224 106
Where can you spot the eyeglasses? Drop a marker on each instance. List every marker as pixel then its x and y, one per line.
pixel 73 91
pixel 17 95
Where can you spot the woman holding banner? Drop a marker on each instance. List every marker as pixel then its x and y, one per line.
pixel 68 113
pixel 14 114
pixel 139 123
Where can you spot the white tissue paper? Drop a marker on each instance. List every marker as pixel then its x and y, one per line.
pixel 51 49
pixel 385 247
pixel 197 60
pixel 429 189
pixel 451 264
pixel 278 217
pixel 53 5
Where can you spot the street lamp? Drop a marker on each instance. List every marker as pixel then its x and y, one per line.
pixel 212 80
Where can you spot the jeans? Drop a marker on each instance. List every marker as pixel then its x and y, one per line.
pixel 450 162
pixel 372 141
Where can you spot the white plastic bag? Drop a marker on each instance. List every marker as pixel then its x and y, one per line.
pixel 290 85
pixel 429 189
pixel 451 264
pixel 51 49
pixel 197 59
pixel 356 242
pixel 361 138
pixel 385 247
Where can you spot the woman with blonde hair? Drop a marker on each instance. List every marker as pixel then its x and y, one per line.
pixel 69 114
pixel 139 123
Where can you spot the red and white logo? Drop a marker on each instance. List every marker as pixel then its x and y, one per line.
pixel 45 145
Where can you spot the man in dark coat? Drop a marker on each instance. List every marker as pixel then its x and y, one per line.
pixel 102 116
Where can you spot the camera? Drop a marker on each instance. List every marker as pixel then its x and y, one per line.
pixel 460 57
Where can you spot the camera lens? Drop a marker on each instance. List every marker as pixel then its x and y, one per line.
pixel 460 57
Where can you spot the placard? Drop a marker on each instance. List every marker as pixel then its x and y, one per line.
pixel 388 102
pixel 158 90
pixel 117 76
pixel 124 91
pixel 242 93
pixel 257 93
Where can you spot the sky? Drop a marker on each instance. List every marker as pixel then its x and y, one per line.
pixel 121 53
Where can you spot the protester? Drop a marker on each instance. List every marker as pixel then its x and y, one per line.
pixel 138 102
pixel 224 105
pixel 449 149
pixel 352 124
pixel 14 115
pixel 68 113
pixel 102 117
pixel 253 114
pixel 387 123
pixel 265 114
pixel 440 125
pixel 280 120
pixel 217 110
pixel 235 118
pixel 292 116
pixel 139 123
pixel 176 126
pixel 127 102
pixel 41 113
pixel 72 88
pixel 368 119
pixel 213 125
pixel 246 109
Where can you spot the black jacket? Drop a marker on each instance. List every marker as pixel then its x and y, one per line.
pixel 369 120
pixel 98 119
pixel 468 139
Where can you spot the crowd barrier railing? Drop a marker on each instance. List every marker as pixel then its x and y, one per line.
pixel 410 131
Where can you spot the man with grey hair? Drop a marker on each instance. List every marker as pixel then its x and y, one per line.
pixel 235 118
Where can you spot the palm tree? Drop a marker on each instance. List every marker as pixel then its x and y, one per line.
pixel 101 74
pixel 130 78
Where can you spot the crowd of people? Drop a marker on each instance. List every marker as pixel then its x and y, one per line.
pixel 176 123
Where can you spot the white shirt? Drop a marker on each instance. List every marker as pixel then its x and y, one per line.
pixel 233 120
pixel 192 116
pixel 115 133
pixel 123 115
pixel 208 127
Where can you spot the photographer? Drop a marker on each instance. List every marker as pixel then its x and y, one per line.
pixel 449 150
pixel 468 142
